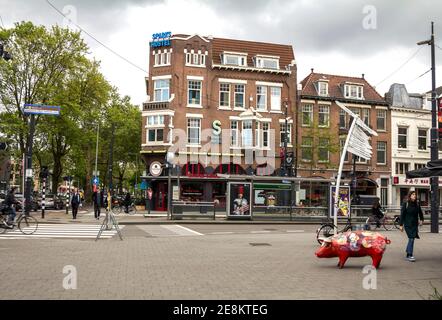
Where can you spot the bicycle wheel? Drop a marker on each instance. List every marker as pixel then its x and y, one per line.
pixel 116 210
pixel 27 224
pixel 326 231
pixel 388 223
pixel 2 224
pixel 372 223
pixel 396 222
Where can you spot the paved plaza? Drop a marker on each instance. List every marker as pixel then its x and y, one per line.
pixel 211 262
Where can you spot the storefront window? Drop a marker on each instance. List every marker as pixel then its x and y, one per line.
pixel 314 194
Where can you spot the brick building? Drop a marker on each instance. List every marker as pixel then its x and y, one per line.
pixel 219 105
pixel 322 129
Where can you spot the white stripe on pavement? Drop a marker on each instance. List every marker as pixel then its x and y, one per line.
pixel 61 231
pixel 184 231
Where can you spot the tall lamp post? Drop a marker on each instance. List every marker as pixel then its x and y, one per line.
pixel 434 136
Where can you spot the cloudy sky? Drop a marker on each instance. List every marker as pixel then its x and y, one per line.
pixel 348 37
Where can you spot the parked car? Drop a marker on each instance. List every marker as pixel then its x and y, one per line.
pixel 52 202
pixel 34 202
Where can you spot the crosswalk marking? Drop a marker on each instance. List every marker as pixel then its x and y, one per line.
pixel 61 231
pixel 168 230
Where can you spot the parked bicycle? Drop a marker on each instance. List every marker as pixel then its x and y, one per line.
pixel 387 222
pixel 120 207
pixel 26 224
pixel 327 229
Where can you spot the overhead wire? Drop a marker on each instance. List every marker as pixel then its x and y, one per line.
pixel 401 66
pixel 98 41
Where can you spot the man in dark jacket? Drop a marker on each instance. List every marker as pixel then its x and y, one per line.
pixel 10 202
pixel 97 200
pixel 411 213
pixel 75 203
pixel 127 202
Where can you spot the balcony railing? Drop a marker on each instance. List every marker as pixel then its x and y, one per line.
pixel 150 106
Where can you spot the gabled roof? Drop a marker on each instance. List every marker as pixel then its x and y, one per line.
pixel 336 87
pixel 251 48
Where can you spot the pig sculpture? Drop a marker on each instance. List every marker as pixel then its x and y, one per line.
pixel 354 244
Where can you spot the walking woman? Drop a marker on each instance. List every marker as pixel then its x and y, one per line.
pixel 411 213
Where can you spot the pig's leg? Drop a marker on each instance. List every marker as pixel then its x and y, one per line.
pixel 342 259
pixel 376 259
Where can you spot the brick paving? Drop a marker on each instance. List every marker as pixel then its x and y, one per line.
pixel 145 266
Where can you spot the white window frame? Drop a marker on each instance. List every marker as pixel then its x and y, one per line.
pixel 265 132
pixel 221 84
pixel 323 86
pixel 243 93
pixel 401 134
pixel 307 108
pixel 154 122
pixel 244 134
pixel 235 133
pixel 282 131
pixel 419 137
pixel 241 59
pixel 384 117
pixel 200 90
pixel 263 93
pixel 195 59
pixel 275 100
pixel 325 111
pixel 261 63
pixel 161 89
pixel 384 150
pixel 400 167
pixel 354 91
pixel 162 58
pixel 190 125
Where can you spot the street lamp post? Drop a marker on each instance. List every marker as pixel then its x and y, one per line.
pixel 434 136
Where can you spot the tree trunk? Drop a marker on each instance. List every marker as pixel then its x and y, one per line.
pixel 56 174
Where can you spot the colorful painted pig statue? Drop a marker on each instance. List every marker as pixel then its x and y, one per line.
pixel 354 244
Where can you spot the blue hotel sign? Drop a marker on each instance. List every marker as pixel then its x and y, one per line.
pixel 161 39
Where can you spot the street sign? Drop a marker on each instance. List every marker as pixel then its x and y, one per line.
pixel 29 173
pixel 38 109
pixel 96 181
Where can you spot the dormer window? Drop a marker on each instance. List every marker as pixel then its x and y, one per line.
pixel 235 59
pixel 322 88
pixel 354 91
pixel 267 62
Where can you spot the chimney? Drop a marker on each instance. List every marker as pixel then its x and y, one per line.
pixel 312 70
pixel 363 76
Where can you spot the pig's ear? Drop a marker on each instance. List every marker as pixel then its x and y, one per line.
pixel 325 241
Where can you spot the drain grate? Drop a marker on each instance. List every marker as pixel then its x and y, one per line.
pixel 260 244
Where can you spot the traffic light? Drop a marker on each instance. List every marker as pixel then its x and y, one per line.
pixel 44 172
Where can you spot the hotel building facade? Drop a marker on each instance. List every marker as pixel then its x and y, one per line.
pixel 219 105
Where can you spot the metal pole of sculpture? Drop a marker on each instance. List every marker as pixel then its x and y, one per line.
pixel 357 143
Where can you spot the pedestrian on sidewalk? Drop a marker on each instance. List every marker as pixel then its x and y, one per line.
pixel 411 218
pixel 75 203
pixel 127 202
pixel 96 199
